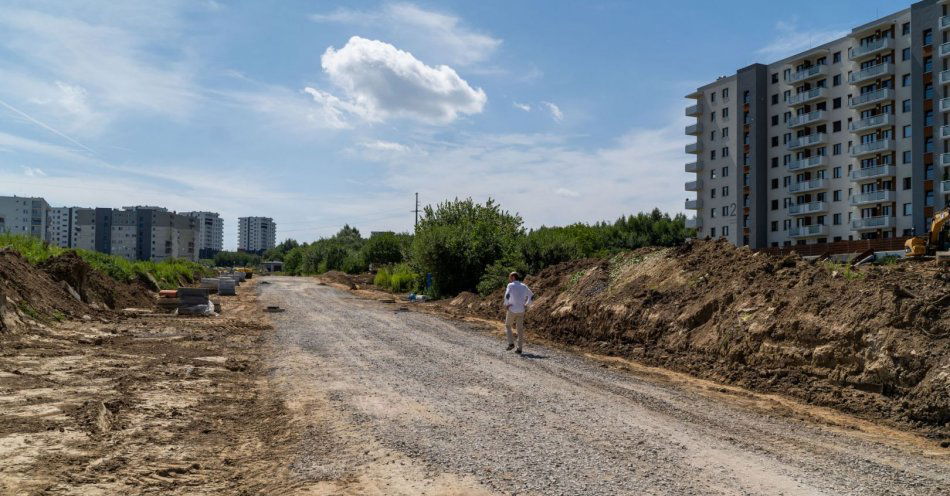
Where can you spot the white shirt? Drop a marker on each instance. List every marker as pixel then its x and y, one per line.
pixel 518 296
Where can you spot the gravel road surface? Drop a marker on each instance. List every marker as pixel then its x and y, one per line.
pixel 405 402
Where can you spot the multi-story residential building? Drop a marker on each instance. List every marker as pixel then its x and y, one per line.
pixel 24 215
pixel 138 233
pixel 256 234
pixel 62 226
pixel 845 141
pixel 210 233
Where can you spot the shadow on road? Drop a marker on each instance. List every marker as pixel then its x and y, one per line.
pixel 532 356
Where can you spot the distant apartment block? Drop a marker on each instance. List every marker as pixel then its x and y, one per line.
pixel 137 233
pixel 256 234
pixel 62 226
pixel 845 141
pixel 210 233
pixel 24 215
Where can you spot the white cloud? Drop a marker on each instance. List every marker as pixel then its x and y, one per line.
pixel 555 111
pixel 566 192
pixel 382 82
pixel 437 35
pixel 792 38
pixel 33 172
pixel 522 106
pixel 384 146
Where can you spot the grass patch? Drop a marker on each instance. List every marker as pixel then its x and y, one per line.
pixel 28 309
pixel 844 269
pixel 398 278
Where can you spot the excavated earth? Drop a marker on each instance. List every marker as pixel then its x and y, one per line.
pixel 873 341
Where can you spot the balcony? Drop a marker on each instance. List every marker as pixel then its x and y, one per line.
pixel 873 72
pixel 945 187
pixel 944 77
pixel 806 141
pixel 944 22
pixel 882 196
pixel 807 96
pixel 871 99
pixel 694 204
pixel 812 72
pixel 872 147
pixel 694 185
pixel 944 105
pixel 872 223
pixel 944 49
pixel 694 223
pixel 872 173
pixel 806 186
pixel 807 163
pixel 693 148
pixel 694 166
pixel 944 159
pixel 695 129
pixel 808 208
pixel 872 48
pixel 808 231
pixel 944 132
pixel 806 119
pixel 694 110
pixel 873 122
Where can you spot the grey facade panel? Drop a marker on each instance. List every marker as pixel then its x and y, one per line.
pixel 753 79
pixel 924 16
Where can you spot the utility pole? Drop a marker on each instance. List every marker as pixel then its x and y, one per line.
pixel 417 210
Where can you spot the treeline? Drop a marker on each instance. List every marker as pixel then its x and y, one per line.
pixel 466 246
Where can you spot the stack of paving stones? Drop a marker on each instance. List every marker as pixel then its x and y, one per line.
pixel 192 301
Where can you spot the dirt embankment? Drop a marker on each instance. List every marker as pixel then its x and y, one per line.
pixel 873 342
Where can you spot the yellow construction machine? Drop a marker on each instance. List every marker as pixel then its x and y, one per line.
pixel 934 240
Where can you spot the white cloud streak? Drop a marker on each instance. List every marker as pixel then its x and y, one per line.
pixel 792 38
pixel 521 106
pixel 555 111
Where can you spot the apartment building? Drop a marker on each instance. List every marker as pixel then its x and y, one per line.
pixel 137 233
pixel 844 141
pixel 256 234
pixel 210 233
pixel 62 226
pixel 24 215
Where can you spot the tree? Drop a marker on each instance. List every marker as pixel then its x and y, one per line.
pixel 382 249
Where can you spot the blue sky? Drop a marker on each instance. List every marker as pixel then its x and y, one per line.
pixel 322 113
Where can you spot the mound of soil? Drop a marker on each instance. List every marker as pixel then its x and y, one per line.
pixel 350 280
pixel 94 286
pixel 28 289
pixel 872 341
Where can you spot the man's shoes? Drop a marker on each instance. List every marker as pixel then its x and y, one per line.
pixel 518 351
pixel 510 346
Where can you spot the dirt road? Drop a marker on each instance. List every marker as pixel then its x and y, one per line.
pixel 399 402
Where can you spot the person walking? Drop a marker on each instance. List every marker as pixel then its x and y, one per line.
pixel 517 299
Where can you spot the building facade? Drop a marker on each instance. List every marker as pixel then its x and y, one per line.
pixel 256 234
pixel 62 226
pixel 137 233
pixel 24 215
pixel 210 233
pixel 844 141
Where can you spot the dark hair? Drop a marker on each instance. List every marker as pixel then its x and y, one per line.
pixel 516 275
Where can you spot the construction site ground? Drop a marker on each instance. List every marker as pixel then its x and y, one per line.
pixel 353 392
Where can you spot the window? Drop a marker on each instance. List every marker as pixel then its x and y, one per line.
pixel 836 80
pixel 725 93
pixel 929 199
pixel 929 145
pixel 774 120
pixel 774 78
pixel 906 157
pixel 712 154
pixel 774 204
pixel 905 106
pixel 774 183
pixel 905 80
pixel 905 28
pixel 712 214
pixel 774 226
pixel 712 232
pixel 907 131
pixel 836 149
pixel 725 213
pixel 836 195
pixel 929 118
pixel 725 113
pixel 725 229
pixel 928 37
pixel 836 219
pixel 908 208
pixel 712 116
pixel 836 126
pixel 725 192
pixel 928 91
pixel 836 103
pixel 786 181
pixel 712 135
pixel 725 150
pixel 786 95
pixel 836 172
pixel 905 54
pixel 787 223
pixel 775 99
pixel 725 132
pixel 725 172
pixel 712 193
pixel 787 73
pixel 928 64
pixel 820 220
pixel 774 162
pixel 907 183
pixel 712 97
pixel 774 141
pixel 712 174
pixel 836 57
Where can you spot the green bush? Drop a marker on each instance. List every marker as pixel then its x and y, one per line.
pixel 382 278
pixel 382 249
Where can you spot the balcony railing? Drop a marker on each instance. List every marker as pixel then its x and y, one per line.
pixel 693 148
pixel 807 96
pixel 944 77
pixel 805 186
pixel 807 140
pixel 881 196
pixel 871 48
pixel 694 223
pixel 694 166
pixel 805 119
pixel 944 49
pixel 807 163
pixel 868 223
pixel 694 185
pixel 694 110
pixel 694 204
pixel 872 72
pixel 872 147
pixel 808 231
pixel 694 129
pixel 873 122
pixel 944 105
pixel 945 187
pixel 944 132
pixel 808 208
pixel 809 73
pixel 944 159
pixel 944 22
pixel 869 173
pixel 871 98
